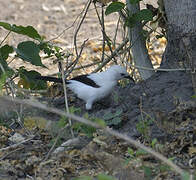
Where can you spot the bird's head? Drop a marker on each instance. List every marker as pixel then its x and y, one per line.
pixel 118 72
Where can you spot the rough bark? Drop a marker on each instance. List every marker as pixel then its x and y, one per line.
pixel 181 32
pixel 139 51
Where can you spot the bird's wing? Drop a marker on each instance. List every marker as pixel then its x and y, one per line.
pixel 82 90
pixel 99 78
pixel 85 79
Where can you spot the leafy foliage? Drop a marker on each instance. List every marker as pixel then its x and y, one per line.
pixel 130 19
pixel 4 53
pixel 143 127
pixel 113 118
pixel 143 15
pixel 28 31
pixel 28 80
pixel 83 128
pixel 105 177
pixel 194 96
pixel 29 51
pixel 134 1
pixel 114 7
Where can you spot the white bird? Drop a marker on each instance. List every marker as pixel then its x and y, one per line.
pixel 93 87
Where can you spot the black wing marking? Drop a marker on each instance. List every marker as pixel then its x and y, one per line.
pixel 82 78
pixel 86 80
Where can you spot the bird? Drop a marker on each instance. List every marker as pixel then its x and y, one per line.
pixel 95 86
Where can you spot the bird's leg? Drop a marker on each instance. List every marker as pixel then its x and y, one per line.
pixel 89 105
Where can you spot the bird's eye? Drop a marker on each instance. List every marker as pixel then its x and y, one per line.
pixel 122 74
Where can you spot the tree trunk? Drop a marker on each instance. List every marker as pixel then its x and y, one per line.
pixel 139 50
pixel 181 32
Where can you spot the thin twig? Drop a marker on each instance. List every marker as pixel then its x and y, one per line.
pixel 78 68
pixel 116 32
pixel 79 25
pixel 107 130
pixel 54 144
pixel 105 37
pixel 103 32
pixel 65 96
pixel 5 38
pixel 18 144
pixel 67 27
pixel 115 53
pixel 86 66
pixel 147 149
pixel 11 60
pixel 8 80
pixel 159 69
pixel 77 58
pixel 3 157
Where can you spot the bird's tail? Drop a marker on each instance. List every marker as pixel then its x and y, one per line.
pixel 48 78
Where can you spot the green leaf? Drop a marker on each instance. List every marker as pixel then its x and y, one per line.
pixel 112 115
pixel 82 128
pixel 29 51
pixel 164 168
pixel 154 141
pixel 194 96
pixel 83 178
pixel 134 1
pixel 101 122
pixel 62 122
pixel 143 15
pixel 4 53
pixel 105 177
pixel 74 110
pixel 114 7
pixel 140 152
pixel 114 121
pixel 130 21
pixel 113 118
pixel 28 30
pixel 147 172
pixel 28 80
pixel 186 176
pixel 130 151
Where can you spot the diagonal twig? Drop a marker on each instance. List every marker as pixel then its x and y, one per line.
pixel 95 125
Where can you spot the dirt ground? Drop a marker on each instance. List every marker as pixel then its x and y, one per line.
pixel 52 18
pixel 165 98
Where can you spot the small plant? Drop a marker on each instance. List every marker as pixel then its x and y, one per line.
pixel 87 129
pixel 113 118
pixel 149 171
pixel 64 120
pixel 134 155
pixel 29 51
pixel 194 96
pixel 143 127
pixel 61 124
